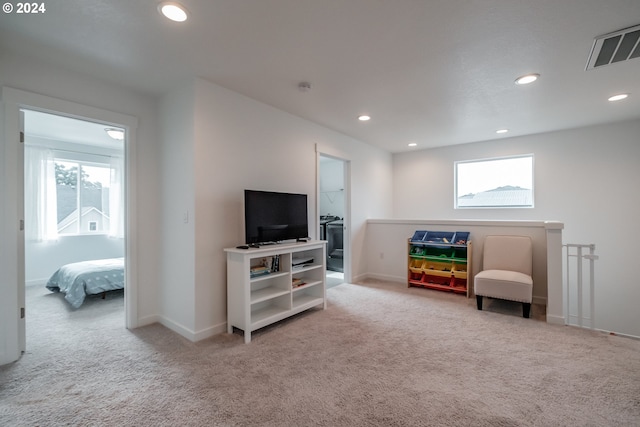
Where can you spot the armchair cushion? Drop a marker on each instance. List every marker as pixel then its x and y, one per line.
pixel 503 284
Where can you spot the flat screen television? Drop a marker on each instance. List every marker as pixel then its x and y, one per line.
pixel 271 217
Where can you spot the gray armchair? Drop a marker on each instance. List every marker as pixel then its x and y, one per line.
pixel 506 271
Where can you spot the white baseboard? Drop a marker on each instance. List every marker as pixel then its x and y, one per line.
pixel 148 320
pixel 635 337
pixel 177 328
pixel 358 278
pixel 210 331
pixel 555 320
pixel 385 277
pixel 539 300
pixel 36 282
pixel 192 335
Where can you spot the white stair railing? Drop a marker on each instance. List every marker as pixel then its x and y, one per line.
pixel 576 250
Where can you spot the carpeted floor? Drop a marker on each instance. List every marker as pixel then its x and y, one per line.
pixel 380 355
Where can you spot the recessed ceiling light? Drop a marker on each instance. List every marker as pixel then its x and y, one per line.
pixel 364 118
pixel 174 11
pixel 502 131
pixel 117 134
pixel 618 97
pixel 412 144
pixel 526 79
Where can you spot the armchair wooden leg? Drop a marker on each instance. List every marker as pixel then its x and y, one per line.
pixel 479 301
pixel 526 309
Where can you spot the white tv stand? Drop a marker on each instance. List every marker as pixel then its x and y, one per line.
pixel 255 302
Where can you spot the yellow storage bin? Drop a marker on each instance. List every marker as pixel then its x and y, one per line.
pixel 459 270
pixel 437 268
pixel 415 265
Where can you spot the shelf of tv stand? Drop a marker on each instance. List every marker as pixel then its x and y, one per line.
pixel 305 302
pixel 265 294
pixel 268 276
pixel 306 285
pixel 256 302
pixel 267 316
pixel 307 267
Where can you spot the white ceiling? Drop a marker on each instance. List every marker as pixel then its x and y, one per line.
pixel 434 72
pixel 66 129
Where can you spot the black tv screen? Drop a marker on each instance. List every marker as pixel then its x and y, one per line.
pixel 273 217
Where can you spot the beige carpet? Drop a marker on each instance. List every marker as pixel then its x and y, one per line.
pixel 380 355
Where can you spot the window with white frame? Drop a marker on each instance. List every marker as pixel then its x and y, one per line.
pixel 505 182
pixel 82 195
pixel 71 193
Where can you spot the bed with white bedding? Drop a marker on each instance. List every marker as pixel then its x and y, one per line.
pixel 79 279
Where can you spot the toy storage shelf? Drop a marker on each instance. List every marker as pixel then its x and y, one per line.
pixel 269 284
pixel 440 260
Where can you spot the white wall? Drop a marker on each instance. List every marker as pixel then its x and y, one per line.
pixel 585 178
pixel 176 263
pixel 42 78
pixel 42 259
pixel 239 143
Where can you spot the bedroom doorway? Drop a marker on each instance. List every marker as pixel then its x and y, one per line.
pixel 334 215
pixel 74 212
pixel 13 260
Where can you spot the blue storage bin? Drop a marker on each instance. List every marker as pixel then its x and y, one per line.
pixel 439 237
pixel 461 237
pixel 419 235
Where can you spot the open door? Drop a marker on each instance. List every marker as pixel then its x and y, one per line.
pixel 334 215
pixel 22 329
pixel 11 221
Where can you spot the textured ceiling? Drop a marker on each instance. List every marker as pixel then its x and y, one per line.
pixel 433 72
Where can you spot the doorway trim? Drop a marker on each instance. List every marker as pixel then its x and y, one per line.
pixel 13 101
pixel 325 152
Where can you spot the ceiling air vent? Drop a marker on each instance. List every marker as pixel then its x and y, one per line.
pixel 615 47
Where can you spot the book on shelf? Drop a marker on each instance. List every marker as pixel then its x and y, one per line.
pixel 297 282
pixel 270 264
pixel 259 270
